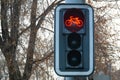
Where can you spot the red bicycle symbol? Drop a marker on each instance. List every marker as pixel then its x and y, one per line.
pixel 74 21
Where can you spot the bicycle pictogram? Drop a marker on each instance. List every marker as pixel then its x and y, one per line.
pixel 74 21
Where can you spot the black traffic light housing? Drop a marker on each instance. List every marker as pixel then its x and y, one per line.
pixel 74 40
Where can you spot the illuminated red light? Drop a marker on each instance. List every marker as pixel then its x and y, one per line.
pixel 74 20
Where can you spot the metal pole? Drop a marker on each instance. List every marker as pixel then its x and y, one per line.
pixel 74 1
pixel 69 78
pixel 75 78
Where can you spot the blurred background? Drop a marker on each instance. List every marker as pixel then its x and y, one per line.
pixel 27 39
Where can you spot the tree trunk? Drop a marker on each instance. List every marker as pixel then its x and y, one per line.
pixel 10 15
pixel 31 46
pixel 8 42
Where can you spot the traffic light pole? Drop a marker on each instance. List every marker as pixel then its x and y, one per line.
pixel 75 78
pixel 74 1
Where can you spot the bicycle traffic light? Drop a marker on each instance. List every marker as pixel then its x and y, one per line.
pixel 74 40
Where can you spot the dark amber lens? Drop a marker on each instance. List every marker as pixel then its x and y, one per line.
pixel 74 41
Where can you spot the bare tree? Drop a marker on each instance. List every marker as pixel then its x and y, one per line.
pixel 106 37
pixel 10 36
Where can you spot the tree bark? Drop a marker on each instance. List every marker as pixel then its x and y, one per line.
pixel 9 42
pixel 10 36
pixel 31 45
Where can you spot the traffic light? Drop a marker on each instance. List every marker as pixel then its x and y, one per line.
pixel 74 40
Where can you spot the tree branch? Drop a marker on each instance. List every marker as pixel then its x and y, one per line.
pixel 4 24
pixel 10 42
pixel 44 58
pixel 42 16
pixel 15 13
pixel 31 45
